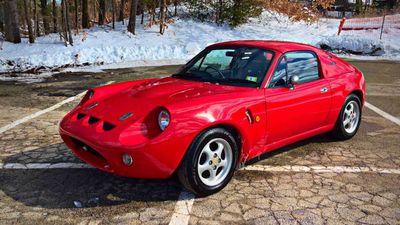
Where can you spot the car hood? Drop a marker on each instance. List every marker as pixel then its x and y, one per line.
pixel 142 99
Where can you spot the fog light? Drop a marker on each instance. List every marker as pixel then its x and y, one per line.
pixel 127 159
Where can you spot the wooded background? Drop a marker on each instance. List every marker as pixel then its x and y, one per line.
pixel 34 18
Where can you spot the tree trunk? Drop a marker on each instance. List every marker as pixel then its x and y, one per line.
pixel 113 14
pixel 1 16
pixel 11 21
pixel 54 12
pixel 132 17
pixel 85 14
pixel 76 2
pixel 102 12
pixel 28 21
pixel 64 22
pixel 67 22
pixel 358 6
pixel 176 7
pixel 220 11
pixel 163 6
pixel 36 19
pixel 43 6
pixel 142 18
pixel 121 11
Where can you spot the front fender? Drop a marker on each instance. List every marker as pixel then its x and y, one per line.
pixel 189 120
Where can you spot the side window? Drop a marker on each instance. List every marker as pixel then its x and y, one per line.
pixel 301 64
pixel 304 65
pixel 279 77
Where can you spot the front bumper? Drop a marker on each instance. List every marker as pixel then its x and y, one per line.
pixel 155 157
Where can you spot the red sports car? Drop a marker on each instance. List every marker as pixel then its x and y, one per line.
pixel 230 103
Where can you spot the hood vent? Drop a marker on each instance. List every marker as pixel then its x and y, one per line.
pixel 93 120
pixel 80 116
pixel 108 126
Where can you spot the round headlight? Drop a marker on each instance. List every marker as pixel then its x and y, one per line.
pixel 163 119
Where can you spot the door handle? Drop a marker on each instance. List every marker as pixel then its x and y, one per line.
pixel 323 90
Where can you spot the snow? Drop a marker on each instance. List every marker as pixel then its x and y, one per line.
pixel 102 47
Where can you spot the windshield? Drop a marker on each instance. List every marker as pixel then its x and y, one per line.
pixel 238 66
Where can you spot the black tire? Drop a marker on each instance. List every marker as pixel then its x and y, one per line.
pixel 187 171
pixel 339 130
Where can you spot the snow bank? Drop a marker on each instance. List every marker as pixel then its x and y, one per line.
pixel 182 40
pixel 361 46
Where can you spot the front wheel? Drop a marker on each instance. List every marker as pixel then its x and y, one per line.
pixel 210 162
pixel 349 119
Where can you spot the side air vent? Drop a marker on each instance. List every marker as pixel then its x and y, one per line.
pixel 108 126
pixel 80 116
pixel 93 120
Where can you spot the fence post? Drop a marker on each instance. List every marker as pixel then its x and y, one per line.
pixel 341 25
pixel 383 23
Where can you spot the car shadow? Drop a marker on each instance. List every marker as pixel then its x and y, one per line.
pixel 75 188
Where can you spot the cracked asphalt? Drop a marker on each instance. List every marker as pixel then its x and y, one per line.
pixel 89 196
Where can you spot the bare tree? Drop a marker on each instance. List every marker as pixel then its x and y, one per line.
pixel 85 14
pixel 1 16
pixel 163 7
pixel 113 14
pixel 132 17
pixel 76 4
pixel 36 19
pixel 54 12
pixel 11 21
pixel 44 10
pixel 28 21
pixel 66 29
pixel 176 7
pixel 102 12
pixel 122 11
pixel 71 41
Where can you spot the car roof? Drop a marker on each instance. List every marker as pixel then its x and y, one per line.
pixel 280 46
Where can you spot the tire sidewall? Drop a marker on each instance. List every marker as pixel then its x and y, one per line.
pixel 340 125
pixel 196 149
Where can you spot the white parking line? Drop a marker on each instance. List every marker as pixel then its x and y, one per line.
pixel 41 112
pixel 183 207
pixel 383 113
pixel 182 210
pixel 265 168
pixel 29 166
pixel 322 169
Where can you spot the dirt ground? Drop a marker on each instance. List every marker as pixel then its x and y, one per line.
pixel 289 196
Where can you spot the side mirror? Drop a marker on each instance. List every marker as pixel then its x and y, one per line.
pixel 294 80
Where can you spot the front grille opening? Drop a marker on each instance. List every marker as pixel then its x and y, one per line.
pixel 80 116
pixel 108 126
pixel 93 120
pixel 87 149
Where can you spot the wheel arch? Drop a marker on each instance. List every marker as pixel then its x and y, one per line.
pixel 236 133
pixel 232 129
pixel 359 94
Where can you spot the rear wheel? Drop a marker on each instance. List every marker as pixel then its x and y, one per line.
pixel 349 119
pixel 210 162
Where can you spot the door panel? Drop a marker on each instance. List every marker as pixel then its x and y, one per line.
pixel 293 112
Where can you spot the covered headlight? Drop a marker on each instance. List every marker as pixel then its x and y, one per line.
pixel 163 119
pixel 89 94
